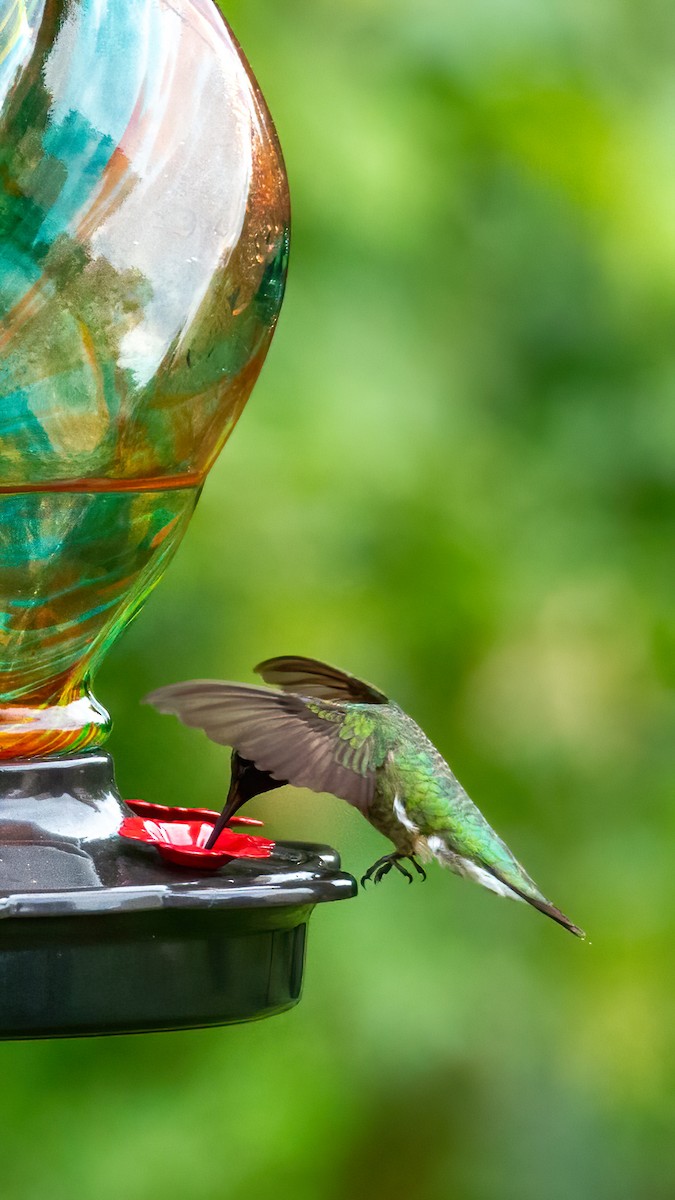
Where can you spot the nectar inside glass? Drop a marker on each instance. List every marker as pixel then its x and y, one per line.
pixel 143 247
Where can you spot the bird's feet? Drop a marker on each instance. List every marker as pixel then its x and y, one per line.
pixel 383 866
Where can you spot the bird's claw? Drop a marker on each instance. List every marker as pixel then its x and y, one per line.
pixel 420 869
pixel 383 866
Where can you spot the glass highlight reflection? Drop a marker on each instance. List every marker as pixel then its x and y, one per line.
pixel 143 249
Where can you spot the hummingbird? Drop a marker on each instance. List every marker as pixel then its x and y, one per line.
pixel 326 730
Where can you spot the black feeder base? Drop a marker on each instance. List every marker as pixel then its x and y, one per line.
pixel 100 936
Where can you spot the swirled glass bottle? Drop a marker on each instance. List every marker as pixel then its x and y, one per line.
pixel 143 249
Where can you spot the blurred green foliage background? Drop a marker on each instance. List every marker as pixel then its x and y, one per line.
pixel 456 478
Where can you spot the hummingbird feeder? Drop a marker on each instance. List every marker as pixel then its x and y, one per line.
pixel 143 246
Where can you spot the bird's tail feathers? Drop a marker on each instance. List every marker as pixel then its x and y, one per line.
pixel 534 897
pixel 514 883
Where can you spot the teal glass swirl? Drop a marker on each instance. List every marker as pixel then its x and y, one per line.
pixel 143 249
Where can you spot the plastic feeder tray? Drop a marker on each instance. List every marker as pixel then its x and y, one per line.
pixel 100 936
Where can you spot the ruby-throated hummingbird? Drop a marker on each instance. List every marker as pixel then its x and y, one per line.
pixel 328 731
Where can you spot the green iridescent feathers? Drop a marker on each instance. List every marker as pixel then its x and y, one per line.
pixel 331 732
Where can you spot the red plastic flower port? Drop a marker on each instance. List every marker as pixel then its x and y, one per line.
pixel 165 812
pixel 184 842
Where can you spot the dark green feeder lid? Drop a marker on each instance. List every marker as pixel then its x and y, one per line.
pixel 100 936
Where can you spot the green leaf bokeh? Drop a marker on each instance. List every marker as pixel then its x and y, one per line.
pixel 455 477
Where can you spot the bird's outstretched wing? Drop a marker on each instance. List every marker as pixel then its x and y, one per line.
pixel 325 746
pixel 313 678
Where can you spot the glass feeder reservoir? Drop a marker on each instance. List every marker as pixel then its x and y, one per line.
pixel 143 247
